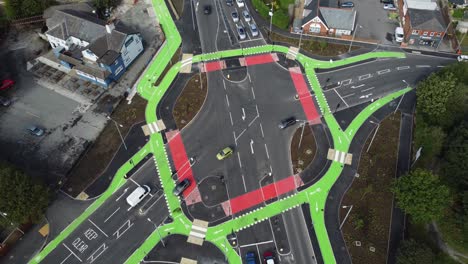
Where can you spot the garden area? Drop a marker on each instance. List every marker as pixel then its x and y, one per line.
pixel 303 148
pixel 281 17
pixel 367 227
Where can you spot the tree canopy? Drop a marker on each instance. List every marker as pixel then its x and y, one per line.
pixel 412 252
pixel 455 165
pixel 431 139
pixel 421 195
pixel 21 199
pixel 25 8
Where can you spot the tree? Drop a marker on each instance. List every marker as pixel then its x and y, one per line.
pixel 21 199
pixel 455 157
pixel 412 252
pixel 431 139
pixel 421 195
pixel 433 96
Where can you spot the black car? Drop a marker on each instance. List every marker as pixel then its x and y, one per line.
pixel 287 122
pixel 207 9
pixel 229 3
pixel 181 186
pixel 386 1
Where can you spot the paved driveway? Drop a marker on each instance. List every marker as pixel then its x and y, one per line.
pixel 374 21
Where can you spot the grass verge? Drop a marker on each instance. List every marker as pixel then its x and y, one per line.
pixel 96 158
pixel 302 156
pixel 370 195
pixel 321 48
pixel 190 100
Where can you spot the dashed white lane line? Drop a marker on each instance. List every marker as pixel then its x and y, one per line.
pixel 370 88
pixel 341 98
pixel 230 116
pixel 346 82
pixel 235 139
pixel 238 157
pixel 383 71
pixel 97 227
pixel 227 100
pixel 72 252
pixel 224 85
pixel 354 87
pixel 364 77
pixel 266 149
pixel 261 129
pixel 348 95
pixel 403 68
pixel 423 66
pixel 243 181
pixel 253 93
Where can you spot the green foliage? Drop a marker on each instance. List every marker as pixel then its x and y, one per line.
pixel 412 252
pixel 431 139
pixel 455 165
pixel 284 4
pixel 433 97
pixel 100 4
pixel 281 19
pixel 261 8
pixel 25 8
pixel 20 198
pixel 421 195
pixel 458 13
pixel 323 45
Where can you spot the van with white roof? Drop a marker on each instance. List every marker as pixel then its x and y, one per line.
pixel 399 36
pixel 138 195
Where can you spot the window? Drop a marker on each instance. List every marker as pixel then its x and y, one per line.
pixel 415 32
pixel 315 28
pixel 432 34
pixel 425 33
pixel 118 70
pixel 129 42
pixel 439 34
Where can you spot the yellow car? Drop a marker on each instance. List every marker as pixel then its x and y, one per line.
pixel 223 154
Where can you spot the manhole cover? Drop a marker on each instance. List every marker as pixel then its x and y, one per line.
pixel 213 187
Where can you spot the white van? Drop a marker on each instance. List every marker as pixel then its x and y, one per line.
pixel 138 195
pixel 399 36
pixel 462 58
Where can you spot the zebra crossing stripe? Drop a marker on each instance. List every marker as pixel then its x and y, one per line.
pixel 342 157
pixel 195 234
pixel 151 128
pixel 337 153
pixel 199 228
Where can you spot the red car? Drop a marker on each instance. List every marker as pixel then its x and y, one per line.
pixel 7 84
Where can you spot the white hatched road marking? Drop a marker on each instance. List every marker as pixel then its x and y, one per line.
pixel 97 227
pixel 72 252
pixel 341 98
pixel 383 71
pixel 403 68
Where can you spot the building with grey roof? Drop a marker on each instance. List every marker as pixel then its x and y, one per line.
pixel 94 49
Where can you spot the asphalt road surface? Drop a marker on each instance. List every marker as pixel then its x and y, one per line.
pixel 114 231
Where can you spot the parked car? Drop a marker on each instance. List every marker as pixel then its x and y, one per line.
pixel 250 258
pixel 387 1
pixel 462 58
pixel 224 153
pixel 399 36
pixel 240 3
pixel 181 187
pixel 389 7
pixel 253 29
pixel 268 257
pixel 207 9
pixel 229 3
pixel 347 4
pixel 7 84
pixel 241 32
pixel 5 101
pixel 287 122
pixel 246 16
pixel 235 16
pixel 35 130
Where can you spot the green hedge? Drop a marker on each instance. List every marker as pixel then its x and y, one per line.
pixel 261 8
pixel 281 19
pixel 284 4
pixel 280 16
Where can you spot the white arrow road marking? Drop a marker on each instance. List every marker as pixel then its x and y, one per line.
pixel 365 96
pixel 243 114
pixel 251 146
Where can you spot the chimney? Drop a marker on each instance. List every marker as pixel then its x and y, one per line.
pixel 109 27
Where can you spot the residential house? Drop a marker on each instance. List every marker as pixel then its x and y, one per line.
pixel 324 17
pixel 93 49
pixel 423 23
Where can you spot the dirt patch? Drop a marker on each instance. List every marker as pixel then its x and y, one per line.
pixel 190 100
pixel 302 155
pixel 96 158
pixel 370 196
pixel 321 48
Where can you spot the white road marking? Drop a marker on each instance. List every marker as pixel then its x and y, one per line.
pixel 266 149
pixel 251 146
pixel 253 93
pixel 368 89
pixel 256 107
pixel 403 68
pixel 65 259
pixel 111 214
pixel 261 129
pixel 346 82
pixel 97 227
pixel 238 156
pixel 251 122
pixel 152 204
pixel 383 71
pixel 118 234
pixel 248 75
pixel 354 87
pixel 134 182
pixel 224 85
pixel 118 198
pixel 259 243
pixel 440 66
pixel 230 116
pixel 365 76
pixel 235 139
pixel 243 114
pixel 240 134
pixel 243 180
pixel 341 98
pixel 365 96
pixel 423 66
pixel 102 248
pixel 227 100
pixel 348 95
pixel 72 252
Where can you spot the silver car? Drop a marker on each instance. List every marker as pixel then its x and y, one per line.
pixel 246 15
pixel 253 29
pixel 35 130
pixel 241 32
pixel 235 16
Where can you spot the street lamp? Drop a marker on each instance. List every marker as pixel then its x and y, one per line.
pixel 354 34
pixel 117 125
pixel 270 13
pixel 157 229
pixel 300 38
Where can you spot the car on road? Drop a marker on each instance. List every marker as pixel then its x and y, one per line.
pixel 207 9
pixel 268 257
pixel 347 4
pixel 35 130
pixel 240 3
pixel 250 258
pixel 4 101
pixel 287 122
pixel 241 32
pixel 138 195
pixel 224 153
pixel 235 16
pixel 181 187
pixel 389 7
pixel 7 84
pixel 253 29
pixel 229 3
pixel 246 16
